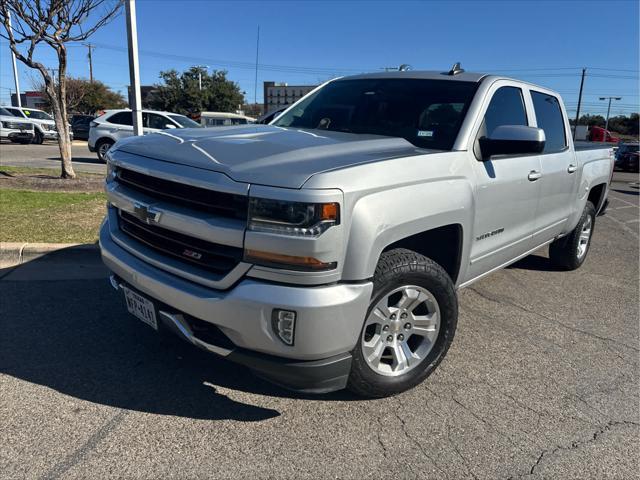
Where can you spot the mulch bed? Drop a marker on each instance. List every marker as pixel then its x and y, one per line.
pixel 50 183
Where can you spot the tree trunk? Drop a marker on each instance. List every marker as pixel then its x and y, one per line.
pixel 60 110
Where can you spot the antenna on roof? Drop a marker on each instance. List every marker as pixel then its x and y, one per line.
pixel 405 67
pixel 456 69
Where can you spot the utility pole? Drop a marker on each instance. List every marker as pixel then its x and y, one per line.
pixel 134 67
pixel 606 125
pixel 255 84
pixel 90 47
pixel 575 127
pixel 200 68
pixel 15 72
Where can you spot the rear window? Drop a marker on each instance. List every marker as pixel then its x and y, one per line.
pixel 121 118
pixel 549 116
pixel 427 113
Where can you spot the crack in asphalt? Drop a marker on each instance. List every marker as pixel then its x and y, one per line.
pixel 545 454
pixel 403 426
pixel 501 300
pixel 462 457
pixel 89 445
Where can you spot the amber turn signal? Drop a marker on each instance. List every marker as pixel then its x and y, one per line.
pixel 286 261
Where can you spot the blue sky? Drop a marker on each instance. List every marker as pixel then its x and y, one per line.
pixel 545 42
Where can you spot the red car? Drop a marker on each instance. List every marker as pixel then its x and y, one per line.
pixel 599 134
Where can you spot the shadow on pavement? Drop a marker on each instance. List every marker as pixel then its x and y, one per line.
pixel 535 262
pixel 75 336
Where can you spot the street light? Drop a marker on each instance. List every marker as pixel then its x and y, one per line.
pixel 606 125
pixel 200 67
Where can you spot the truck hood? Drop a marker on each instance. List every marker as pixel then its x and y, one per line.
pixel 264 154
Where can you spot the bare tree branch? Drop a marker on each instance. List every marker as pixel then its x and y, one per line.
pixel 54 23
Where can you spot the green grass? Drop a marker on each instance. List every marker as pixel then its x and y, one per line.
pixel 52 217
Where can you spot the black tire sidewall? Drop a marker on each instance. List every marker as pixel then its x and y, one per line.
pixel 441 287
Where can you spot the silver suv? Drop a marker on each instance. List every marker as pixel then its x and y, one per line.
pixel 114 125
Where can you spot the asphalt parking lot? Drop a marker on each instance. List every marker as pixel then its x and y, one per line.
pixel 542 381
pixel 47 155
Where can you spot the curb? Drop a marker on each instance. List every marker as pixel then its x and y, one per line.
pixel 17 253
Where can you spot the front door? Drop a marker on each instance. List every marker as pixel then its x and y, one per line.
pixel 507 189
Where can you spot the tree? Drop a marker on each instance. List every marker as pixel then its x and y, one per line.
pixel 88 97
pixel 54 23
pixel 181 92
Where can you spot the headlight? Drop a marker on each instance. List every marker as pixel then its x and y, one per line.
pixel 111 169
pixel 292 218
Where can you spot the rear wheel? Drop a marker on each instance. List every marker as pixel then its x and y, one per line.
pixel 570 252
pixel 409 325
pixel 102 147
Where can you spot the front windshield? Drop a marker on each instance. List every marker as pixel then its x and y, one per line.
pixel 427 113
pixel 37 114
pixel 184 122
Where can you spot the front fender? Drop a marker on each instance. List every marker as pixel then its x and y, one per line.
pixel 385 217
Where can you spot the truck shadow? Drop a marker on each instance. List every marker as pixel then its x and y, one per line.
pixel 535 262
pixel 76 337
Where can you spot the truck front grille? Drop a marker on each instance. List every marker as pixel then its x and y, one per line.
pixel 218 203
pixel 220 259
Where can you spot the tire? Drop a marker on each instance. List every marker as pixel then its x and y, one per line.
pixel 570 252
pixel 400 272
pixel 102 147
pixel 38 138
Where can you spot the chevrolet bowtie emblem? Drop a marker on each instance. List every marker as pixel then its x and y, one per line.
pixel 146 213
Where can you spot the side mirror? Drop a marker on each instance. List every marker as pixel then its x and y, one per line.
pixel 512 140
pixel 169 125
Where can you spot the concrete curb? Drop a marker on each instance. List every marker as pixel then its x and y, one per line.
pixel 16 253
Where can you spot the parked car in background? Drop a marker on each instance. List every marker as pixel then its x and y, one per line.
pixel 114 125
pixel 15 129
pixel 325 250
pixel 43 123
pixel 269 117
pixel 627 157
pixel 80 125
pixel 599 134
pixel 224 119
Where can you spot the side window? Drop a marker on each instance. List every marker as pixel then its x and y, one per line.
pixel 158 121
pixel 506 108
pixel 549 116
pixel 15 112
pixel 121 118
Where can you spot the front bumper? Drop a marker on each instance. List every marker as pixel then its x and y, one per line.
pixel 329 320
pixel 20 136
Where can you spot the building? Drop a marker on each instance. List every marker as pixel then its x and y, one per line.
pixel 281 95
pixel 30 99
pixel 146 92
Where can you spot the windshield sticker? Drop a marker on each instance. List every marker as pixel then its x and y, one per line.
pixel 425 133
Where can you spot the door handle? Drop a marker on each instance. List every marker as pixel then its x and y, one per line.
pixel 571 168
pixel 534 175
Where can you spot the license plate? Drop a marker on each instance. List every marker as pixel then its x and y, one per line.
pixel 140 307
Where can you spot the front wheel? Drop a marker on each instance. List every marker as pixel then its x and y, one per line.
pixel 570 252
pixel 38 138
pixel 408 328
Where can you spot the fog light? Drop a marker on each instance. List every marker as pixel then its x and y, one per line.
pixel 283 323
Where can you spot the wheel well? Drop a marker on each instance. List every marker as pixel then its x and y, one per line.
pixel 595 195
pixel 104 140
pixel 443 245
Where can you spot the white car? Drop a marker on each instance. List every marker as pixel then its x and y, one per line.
pixel 13 129
pixel 116 124
pixel 44 125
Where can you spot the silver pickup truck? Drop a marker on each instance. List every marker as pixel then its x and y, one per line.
pixel 324 250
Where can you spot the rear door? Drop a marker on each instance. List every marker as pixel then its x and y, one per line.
pixel 559 167
pixel 119 125
pixel 506 189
